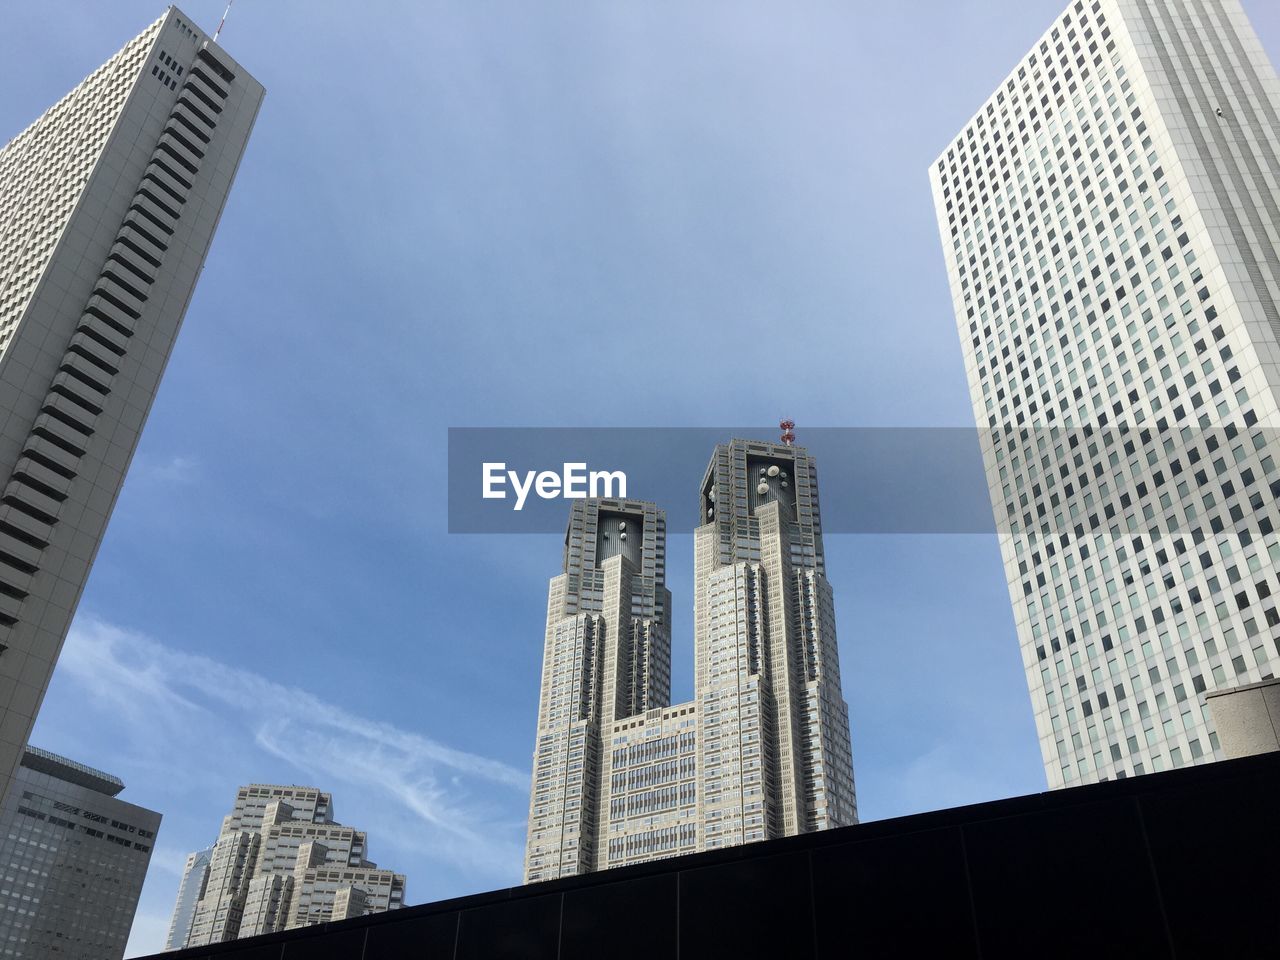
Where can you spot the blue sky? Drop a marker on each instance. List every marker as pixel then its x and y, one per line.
pixel 462 214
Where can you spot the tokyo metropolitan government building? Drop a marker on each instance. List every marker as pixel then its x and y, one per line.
pixel 623 776
pixel 1110 224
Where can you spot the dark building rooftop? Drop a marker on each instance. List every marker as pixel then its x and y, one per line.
pixel 43 761
pixel 1179 864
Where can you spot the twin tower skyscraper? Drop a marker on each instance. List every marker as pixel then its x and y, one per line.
pixel 622 775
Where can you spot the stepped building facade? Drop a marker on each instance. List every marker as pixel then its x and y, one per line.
pixel 622 775
pixel 280 862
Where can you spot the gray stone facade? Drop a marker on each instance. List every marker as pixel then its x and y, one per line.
pixel 620 774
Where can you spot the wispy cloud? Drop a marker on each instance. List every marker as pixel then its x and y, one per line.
pixel 177 469
pixel 169 859
pixel 444 803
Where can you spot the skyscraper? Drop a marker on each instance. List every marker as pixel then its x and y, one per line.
pixel 72 860
pixel 620 774
pixel 195 875
pixel 108 203
pixel 1110 224
pixel 280 862
pixel 774 753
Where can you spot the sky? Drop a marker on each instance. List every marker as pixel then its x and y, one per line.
pixel 455 214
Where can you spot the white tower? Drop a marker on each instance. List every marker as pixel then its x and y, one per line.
pixel 1110 219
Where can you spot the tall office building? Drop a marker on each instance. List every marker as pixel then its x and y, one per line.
pixel 195 876
pixel 620 774
pixel 774 753
pixel 108 203
pixel 1110 224
pixel 280 862
pixel 72 860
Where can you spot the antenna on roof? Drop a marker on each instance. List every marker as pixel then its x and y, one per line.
pixel 788 431
pixel 223 22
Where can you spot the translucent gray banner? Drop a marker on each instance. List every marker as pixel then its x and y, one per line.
pixel 1059 482
pixel 870 480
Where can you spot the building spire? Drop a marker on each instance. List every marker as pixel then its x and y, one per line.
pixel 223 22
pixel 788 430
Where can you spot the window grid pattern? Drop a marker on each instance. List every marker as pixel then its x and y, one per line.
pixel 1121 370
pixel 72 861
pixel 280 862
pixel 43 171
pixel 606 658
pixel 763 751
pixel 108 204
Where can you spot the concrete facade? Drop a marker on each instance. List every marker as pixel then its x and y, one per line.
pixel 621 775
pixel 1247 718
pixel 108 204
pixel 72 860
pixel 1110 220
pixel 281 862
